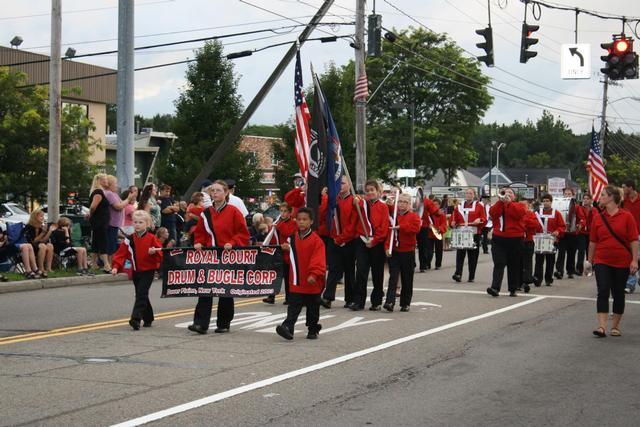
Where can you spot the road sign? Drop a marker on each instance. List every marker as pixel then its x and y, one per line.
pixel 406 173
pixel 575 61
pixel 555 186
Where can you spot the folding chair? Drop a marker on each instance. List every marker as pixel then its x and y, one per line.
pixel 15 236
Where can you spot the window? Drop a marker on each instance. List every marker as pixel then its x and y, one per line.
pixel 274 160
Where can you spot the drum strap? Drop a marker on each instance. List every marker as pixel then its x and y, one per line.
pixel 465 211
pixel 545 223
pixel 604 219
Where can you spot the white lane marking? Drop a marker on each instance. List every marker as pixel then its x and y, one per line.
pixel 318 366
pixel 426 304
pixel 464 291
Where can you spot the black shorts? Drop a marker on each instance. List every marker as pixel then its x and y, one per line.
pixel 99 239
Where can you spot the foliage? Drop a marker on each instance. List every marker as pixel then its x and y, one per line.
pixel 205 111
pixel 24 141
pixel 620 170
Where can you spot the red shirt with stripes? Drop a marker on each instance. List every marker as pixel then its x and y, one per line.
pixel 306 258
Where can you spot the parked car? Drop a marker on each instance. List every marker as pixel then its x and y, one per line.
pixel 12 213
pixel 77 214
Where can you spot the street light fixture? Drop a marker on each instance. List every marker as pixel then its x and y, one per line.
pixel 411 107
pixel 16 41
pixel 497 146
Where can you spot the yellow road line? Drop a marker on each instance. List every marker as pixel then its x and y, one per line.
pixel 104 325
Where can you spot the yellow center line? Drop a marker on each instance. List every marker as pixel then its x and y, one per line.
pixel 108 324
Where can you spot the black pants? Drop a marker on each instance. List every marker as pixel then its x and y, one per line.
pixel 342 260
pixel 583 248
pixel 296 302
pixel 610 281
pixel 422 238
pixel 225 312
pixel 401 265
pixel 142 309
pixel 541 260
pixel 506 252
pixel 434 245
pixel 527 263
pixel 473 258
pixel 485 239
pixel 369 259
pixel 567 249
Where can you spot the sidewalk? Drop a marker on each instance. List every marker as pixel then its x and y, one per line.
pixel 59 282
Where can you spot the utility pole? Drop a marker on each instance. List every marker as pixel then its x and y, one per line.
pixel 361 103
pixel 234 132
pixel 125 115
pixel 603 122
pixel 55 111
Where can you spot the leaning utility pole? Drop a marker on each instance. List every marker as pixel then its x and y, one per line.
pixel 55 111
pixel 234 132
pixel 603 122
pixel 125 115
pixel 361 103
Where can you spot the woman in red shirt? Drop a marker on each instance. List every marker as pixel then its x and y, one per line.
pixel 613 251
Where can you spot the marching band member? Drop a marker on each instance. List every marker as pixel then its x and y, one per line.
pixel 531 226
pixel 370 247
pixel 631 203
pixel 486 201
pixel 469 213
pixel 568 244
pixel 402 261
pixel 285 227
pixel 220 225
pixel 549 221
pixel 583 234
pixel 429 215
pixel 342 248
pixel 506 245
pixel 437 222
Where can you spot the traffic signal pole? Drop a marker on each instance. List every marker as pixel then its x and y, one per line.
pixel 361 104
pixel 603 122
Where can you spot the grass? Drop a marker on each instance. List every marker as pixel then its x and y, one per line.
pixel 16 277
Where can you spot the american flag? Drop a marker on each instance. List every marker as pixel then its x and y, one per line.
pixel 362 88
pixel 303 132
pixel 595 168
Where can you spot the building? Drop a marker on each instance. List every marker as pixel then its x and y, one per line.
pixel 262 149
pixel 97 86
pixel 536 180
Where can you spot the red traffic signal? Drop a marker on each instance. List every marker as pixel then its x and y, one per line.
pixel 621 46
pixel 621 62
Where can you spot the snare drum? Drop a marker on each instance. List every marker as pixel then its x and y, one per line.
pixel 462 238
pixel 544 243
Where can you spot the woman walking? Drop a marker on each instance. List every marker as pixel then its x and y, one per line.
pixel 613 251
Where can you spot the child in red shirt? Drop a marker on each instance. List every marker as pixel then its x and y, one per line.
pixel 306 276
pixel 144 251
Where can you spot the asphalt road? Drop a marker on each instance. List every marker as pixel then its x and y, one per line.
pixel 459 357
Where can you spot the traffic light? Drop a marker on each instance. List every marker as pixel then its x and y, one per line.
pixel 374 35
pixel 487 33
pixel 621 62
pixel 526 42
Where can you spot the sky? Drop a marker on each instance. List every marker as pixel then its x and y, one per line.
pixel 92 26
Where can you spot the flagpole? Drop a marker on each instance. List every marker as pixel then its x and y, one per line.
pixel 361 102
pixel 353 193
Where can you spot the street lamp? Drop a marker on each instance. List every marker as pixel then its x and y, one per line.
pixel 16 41
pixel 411 107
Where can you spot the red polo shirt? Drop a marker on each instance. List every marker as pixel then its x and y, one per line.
pixel 634 208
pixel 609 251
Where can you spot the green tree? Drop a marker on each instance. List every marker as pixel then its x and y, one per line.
pixel 620 169
pixel 205 111
pixel 24 141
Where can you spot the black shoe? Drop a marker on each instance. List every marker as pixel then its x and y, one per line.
pixel 271 299
pixel 470 281
pixel 135 324
pixel 221 330
pixel 457 278
pixel 437 268
pixel 492 292
pixel 404 308
pixel 519 288
pixel 548 283
pixel 325 303
pixel 197 328
pixel 375 308
pixel 146 324
pixel 356 307
pixel 388 307
pixel 527 289
pixel 284 332
pixel 312 336
pixel 537 282
pixel 285 302
pixel 348 305
pixel 557 275
pixel 513 294
pixel 569 276
pixel 422 270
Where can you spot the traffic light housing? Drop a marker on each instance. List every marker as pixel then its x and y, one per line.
pixel 526 42
pixel 374 35
pixel 487 33
pixel 621 62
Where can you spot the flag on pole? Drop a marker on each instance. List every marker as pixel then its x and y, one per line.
pixel 317 154
pixel 595 168
pixel 334 163
pixel 303 132
pixel 362 87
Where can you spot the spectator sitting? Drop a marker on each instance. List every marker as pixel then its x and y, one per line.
pixel 26 253
pixel 61 240
pixel 163 236
pixel 38 234
pixel 256 220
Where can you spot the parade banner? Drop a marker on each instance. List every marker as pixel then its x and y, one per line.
pixel 239 272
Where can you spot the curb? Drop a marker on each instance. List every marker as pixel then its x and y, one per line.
pixel 61 282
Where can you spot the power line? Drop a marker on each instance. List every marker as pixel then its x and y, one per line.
pixel 81 10
pixel 601 15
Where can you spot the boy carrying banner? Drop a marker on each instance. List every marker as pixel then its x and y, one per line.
pixel 306 276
